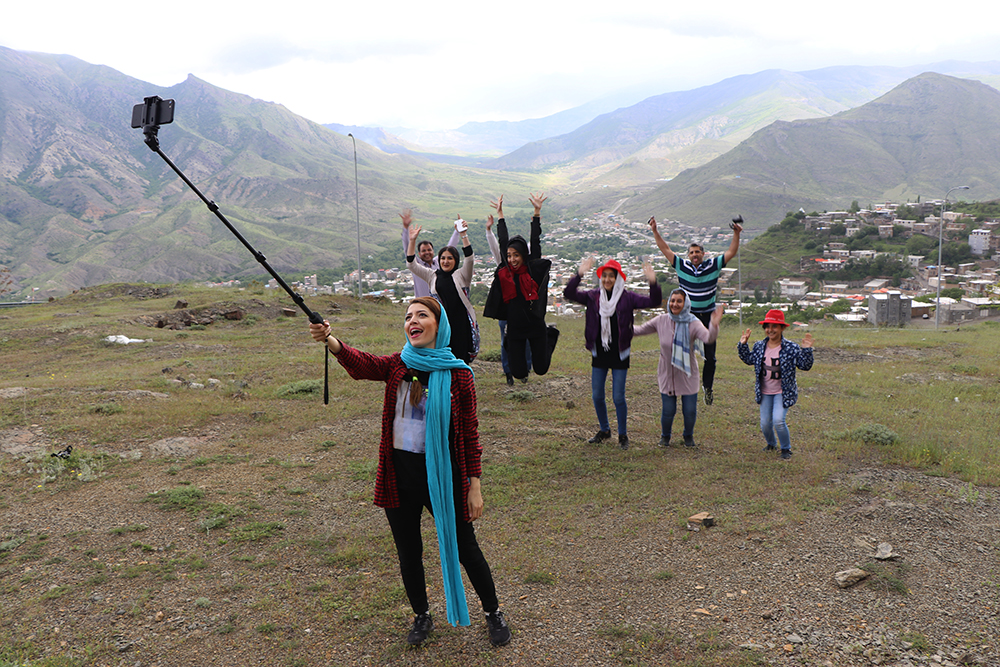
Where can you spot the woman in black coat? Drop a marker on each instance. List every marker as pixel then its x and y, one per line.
pixel 519 294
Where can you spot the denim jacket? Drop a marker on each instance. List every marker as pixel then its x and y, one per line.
pixel 791 356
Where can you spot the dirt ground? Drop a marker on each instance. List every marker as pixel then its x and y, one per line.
pixel 80 578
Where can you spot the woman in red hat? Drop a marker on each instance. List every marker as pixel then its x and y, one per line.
pixel 775 359
pixel 608 335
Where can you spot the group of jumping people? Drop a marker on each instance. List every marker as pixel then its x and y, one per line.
pixel 429 452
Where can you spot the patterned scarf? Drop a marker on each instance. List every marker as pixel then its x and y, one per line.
pixel 680 353
pixel 440 361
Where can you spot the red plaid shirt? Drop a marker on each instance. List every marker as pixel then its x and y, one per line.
pixel 464 432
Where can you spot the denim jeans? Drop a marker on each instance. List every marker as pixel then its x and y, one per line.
pixel 503 350
pixel 598 378
pixel 772 420
pixel 689 408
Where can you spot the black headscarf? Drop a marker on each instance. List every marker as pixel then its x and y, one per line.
pixel 451 301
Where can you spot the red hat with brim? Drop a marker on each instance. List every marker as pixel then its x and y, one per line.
pixel 774 317
pixel 611 264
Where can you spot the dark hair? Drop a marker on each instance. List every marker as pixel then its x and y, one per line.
pixel 423 243
pixel 416 388
pixel 454 253
pixel 696 245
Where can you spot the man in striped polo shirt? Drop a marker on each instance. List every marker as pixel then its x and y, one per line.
pixel 699 278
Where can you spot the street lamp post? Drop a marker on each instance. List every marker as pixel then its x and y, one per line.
pixel 937 307
pixel 357 208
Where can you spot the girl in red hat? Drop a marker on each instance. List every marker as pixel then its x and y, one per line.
pixel 608 335
pixel 775 359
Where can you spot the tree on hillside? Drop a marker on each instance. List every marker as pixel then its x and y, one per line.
pixel 854 209
pixel 908 213
pixel 955 253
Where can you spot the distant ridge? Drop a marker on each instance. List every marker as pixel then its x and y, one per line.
pixel 928 134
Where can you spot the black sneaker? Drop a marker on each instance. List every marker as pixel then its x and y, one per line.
pixel 600 437
pixel 510 380
pixel 422 626
pixel 524 380
pixel 689 441
pixel 623 441
pixel 709 396
pixel 664 441
pixel 497 626
pixel 786 454
pixel 769 448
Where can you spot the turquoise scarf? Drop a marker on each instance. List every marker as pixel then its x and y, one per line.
pixel 440 361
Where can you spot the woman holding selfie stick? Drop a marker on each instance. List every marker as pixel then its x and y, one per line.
pixel 428 456
pixel 449 284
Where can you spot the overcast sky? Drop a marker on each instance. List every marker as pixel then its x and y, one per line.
pixel 438 64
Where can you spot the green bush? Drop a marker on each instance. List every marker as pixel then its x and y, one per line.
pixel 873 434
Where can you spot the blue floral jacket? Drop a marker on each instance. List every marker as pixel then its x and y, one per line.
pixel 791 356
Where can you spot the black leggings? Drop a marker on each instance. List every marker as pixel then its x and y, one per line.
pixel 541 355
pixel 404 521
pixel 708 371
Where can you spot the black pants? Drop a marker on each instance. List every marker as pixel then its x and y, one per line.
pixel 404 521
pixel 708 372
pixel 541 355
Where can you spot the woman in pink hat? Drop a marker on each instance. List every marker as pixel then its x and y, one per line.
pixel 608 335
pixel 775 359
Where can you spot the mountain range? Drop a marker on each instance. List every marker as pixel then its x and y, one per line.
pixel 83 201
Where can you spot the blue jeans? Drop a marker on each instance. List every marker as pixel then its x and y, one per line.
pixel 598 378
pixel 503 349
pixel 772 420
pixel 689 407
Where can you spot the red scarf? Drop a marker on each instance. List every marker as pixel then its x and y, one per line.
pixel 528 286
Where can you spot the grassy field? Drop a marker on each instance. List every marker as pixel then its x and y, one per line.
pixel 918 398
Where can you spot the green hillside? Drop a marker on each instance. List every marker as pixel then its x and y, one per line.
pixel 84 201
pixel 925 136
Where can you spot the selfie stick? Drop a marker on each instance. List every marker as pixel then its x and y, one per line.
pixel 738 220
pixel 149 116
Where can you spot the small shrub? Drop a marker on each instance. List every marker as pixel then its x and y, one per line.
pixel 521 396
pixel 888 576
pixel 919 641
pixel 107 409
pixel 267 628
pixel 11 544
pixel 182 497
pixel 256 531
pixel 301 387
pixel 492 355
pixel 540 578
pixel 872 434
